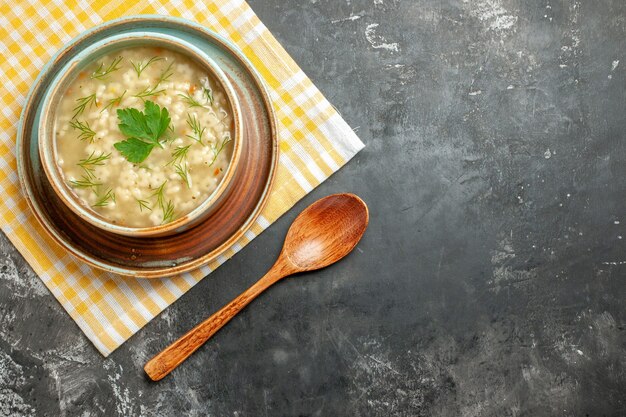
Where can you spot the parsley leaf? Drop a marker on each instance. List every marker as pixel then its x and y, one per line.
pixel 134 150
pixel 143 130
pixel 157 119
pixel 133 123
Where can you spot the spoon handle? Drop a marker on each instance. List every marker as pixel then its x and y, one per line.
pixel 172 356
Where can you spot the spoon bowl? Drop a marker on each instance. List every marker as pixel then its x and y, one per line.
pixel 322 234
pixel 325 232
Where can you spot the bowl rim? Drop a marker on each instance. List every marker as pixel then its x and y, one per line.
pixel 47 140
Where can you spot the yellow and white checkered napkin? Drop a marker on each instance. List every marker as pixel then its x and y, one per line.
pixel 314 142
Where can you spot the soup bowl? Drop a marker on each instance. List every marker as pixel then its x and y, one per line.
pixel 52 161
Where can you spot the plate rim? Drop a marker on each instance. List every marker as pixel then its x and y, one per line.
pixel 186 266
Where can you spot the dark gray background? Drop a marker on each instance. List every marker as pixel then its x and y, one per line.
pixel 491 280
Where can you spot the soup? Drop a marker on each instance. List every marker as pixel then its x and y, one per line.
pixel 143 136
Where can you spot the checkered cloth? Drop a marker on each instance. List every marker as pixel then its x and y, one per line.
pixel 314 142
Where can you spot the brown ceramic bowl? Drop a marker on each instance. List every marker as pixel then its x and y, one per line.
pixel 47 143
pixel 162 255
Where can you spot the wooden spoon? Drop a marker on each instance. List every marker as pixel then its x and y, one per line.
pixel 322 234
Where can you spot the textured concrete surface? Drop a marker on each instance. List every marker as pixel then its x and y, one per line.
pixel 491 281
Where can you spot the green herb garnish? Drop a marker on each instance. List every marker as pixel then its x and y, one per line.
pixel 101 72
pixel 149 92
pixel 134 150
pixel 114 102
pixel 196 128
pixel 83 102
pixel 139 67
pixel 183 173
pixel 166 74
pixel 179 154
pixel 85 182
pixel 169 134
pixel 105 199
pixel 208 94
pixel 86 133
pixel 168 212
pixel 88 164
pixel 191 102
pixel 153 91
pixel 216 151
pixel 159 194
pixel 143 204
pixel 143 130
pixel 167 209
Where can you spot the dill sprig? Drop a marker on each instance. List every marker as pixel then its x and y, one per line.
pixel 196 128
pixel 140 66
pixel 143 204
pixel 101 72
pixel 216 151
pixel 85 182
pixel 166 74
pixel 149 92
pixel 208 94
pixel 191 102
pixel 183 173
pixel 83 102
pixel 114 102
pixel 92 159
pixel 154 91
pixel 179 154
pixel 88 164
pixel 159 194
pixel 107 198
pixel 168 212
pixel 167 209
pixel 86 133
